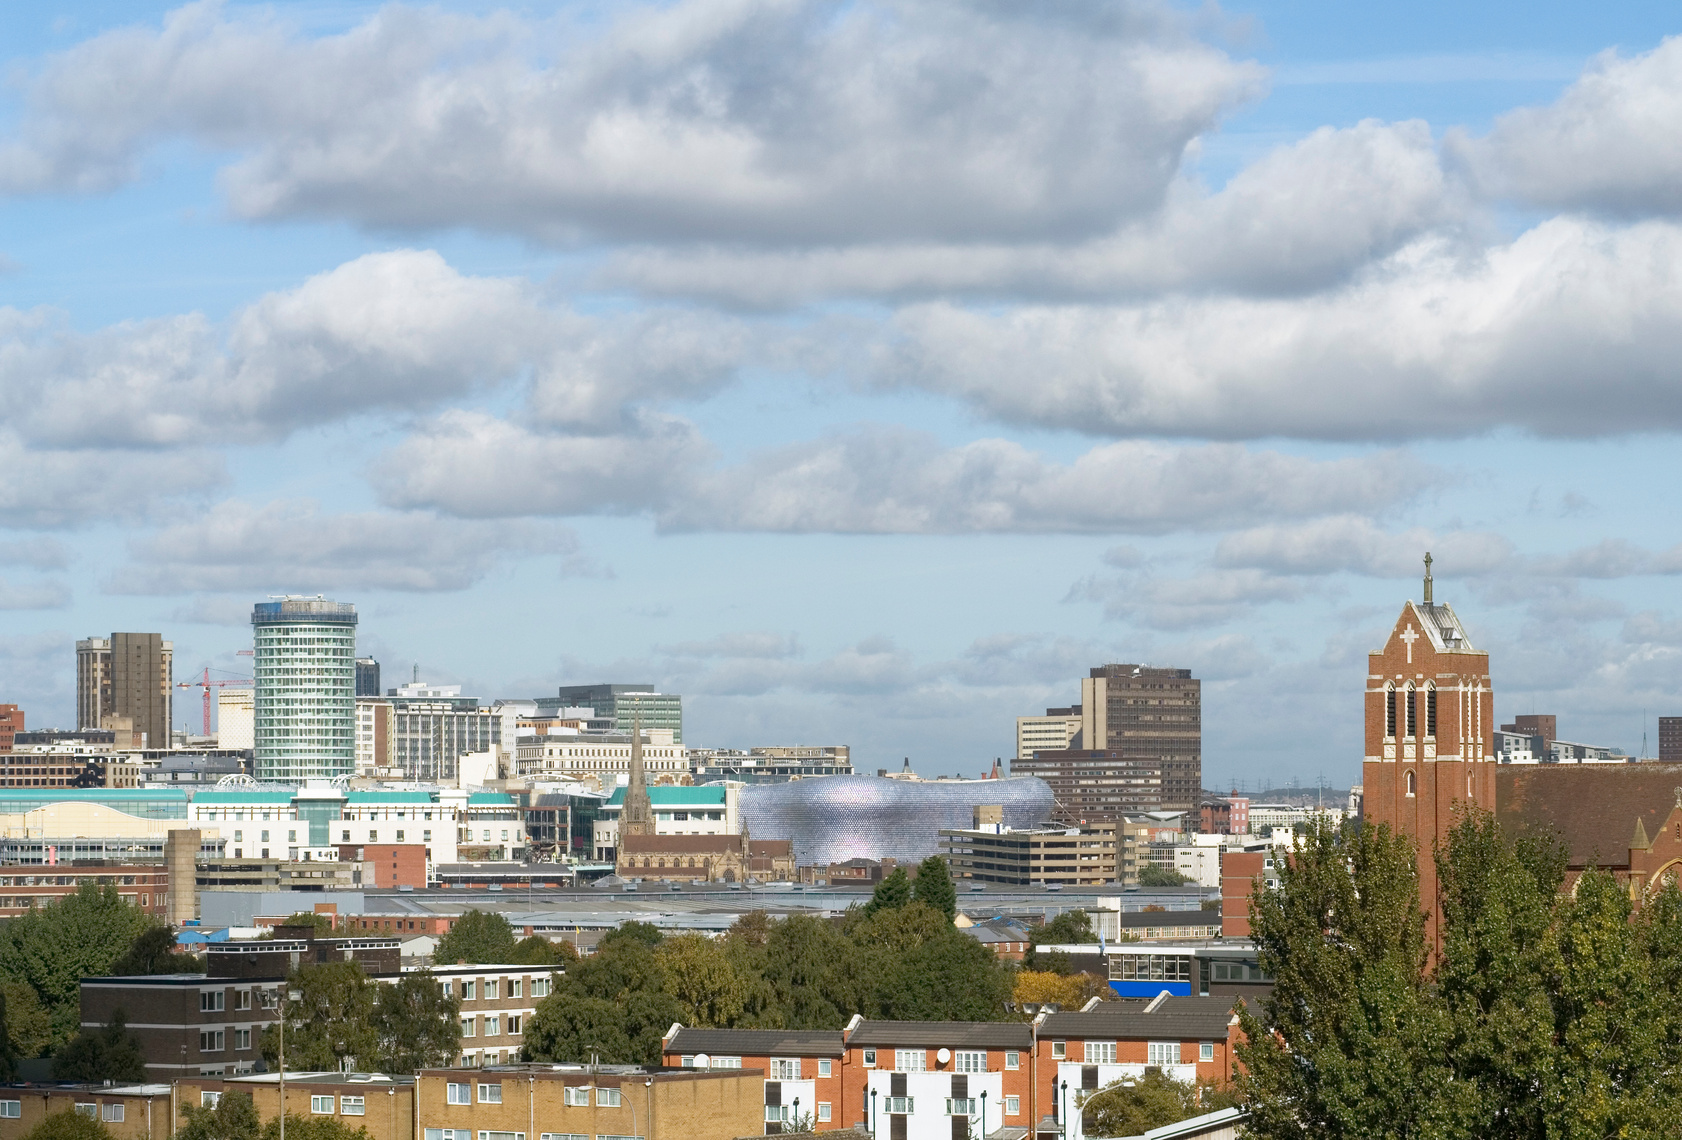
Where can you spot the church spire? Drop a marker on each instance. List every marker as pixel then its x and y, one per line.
pixel 1427 577
pixel 637 816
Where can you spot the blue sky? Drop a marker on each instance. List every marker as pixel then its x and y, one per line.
pixel 863 372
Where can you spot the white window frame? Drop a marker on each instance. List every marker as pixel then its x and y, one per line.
pixel 911 1060
pixel 906 1105
pixel 1059 1049
pixel 458 1093
pixel 490 1093
pixel 823 1112
pixel 1162 1053
pixel 785 1069
pixel 1099 1053
pixel 607 1098
pixel 209 1099
pixel 321 1104
pixel 870 1058
pixel 824 1068
pixel 961 1106
pixel 493 1026
pixel 776 1114
pixel 1013 1060
pixel 1206 1051
pixel 353 1106
pixel 111 1113
pixel 969 1061
pixel 11 1109
pixel 576 1096
pixel 89 1109
pixel 1013 1106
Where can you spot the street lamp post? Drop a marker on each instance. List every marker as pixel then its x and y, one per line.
pixel 983 1114
pixel 873 1111
pixel 1063 1100
pixel 797 1114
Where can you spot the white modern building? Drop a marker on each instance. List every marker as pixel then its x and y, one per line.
pixel 305 710
pixel 235 713
pixel 1045 734
pixel 566 753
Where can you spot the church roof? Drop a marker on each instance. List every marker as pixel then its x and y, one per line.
pixel 1589 806
pixel 1439 622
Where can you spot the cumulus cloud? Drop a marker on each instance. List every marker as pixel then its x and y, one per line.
pixel 398 332
pixel 1209 598
pixel 1610 558
pixel 45 594
pixel 1573 329
pixel 874 480
pixel 1303 217
pixel 292 547
pixel 1357 544
pixel 1610 143
pixel 53 488
pixel 790 120
pixel 895 481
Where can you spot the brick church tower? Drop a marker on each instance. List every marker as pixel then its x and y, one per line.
pixel 1430 719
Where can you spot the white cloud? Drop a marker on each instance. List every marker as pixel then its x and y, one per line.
pixel 1303 217
pixel 1209 598
pixel 398 332
pixel 1359 545
pixel 1610 143
pixel 35 552
pixel 60 488
pixel 894 481
pixel 788 120
pixel 1572 329
pixel 44 594
pixel 292 547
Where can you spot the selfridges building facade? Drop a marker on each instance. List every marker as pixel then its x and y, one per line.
pixel 837 818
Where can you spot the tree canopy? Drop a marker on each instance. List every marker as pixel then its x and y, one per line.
pixel 892 892
pixel 154 952
pixel 68 1125
pixel 1134 1107
pixel 934 887
pixel 1151 875
pixel 324 925
pixel 29 1031
pixel 52 948
pixel 335 1012
pixel 477 937
pixel 1551 1013
pixel 906 961
pixel 416 1024
pixel 110 1053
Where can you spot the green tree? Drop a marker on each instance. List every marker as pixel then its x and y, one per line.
pixel 1135 1106
pixel 322 923
pixel 1071 928
pixel 416 1024
pixel 576 1029
pixel 477 937
pixel 891 893
pixel 233 1117
pixel 110 1053
pixel 329 1017
pixel 68 1125
pixel 934 887
pixel 644 932
pixel 536 950
pixel 28 1028
pixel 1151 875
pixel 710 992
pixel 1351 1042
pixel 53 947
pixel 922 968
pixel 809 975
pixel 154 952
pixel 314 1128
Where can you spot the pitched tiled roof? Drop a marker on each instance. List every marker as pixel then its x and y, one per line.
pixel 1592 807
pixel 950 1034
pixel 758 1042
pixel 1186 1018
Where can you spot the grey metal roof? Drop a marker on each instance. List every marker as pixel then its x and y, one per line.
pixel 935 1034
pixel 759 1042
pixel 1203 1018
pixel 1169 918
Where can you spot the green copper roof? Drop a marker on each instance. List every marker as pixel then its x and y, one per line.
pixel 676 797
pixel 490 799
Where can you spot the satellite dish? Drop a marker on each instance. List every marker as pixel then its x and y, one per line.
pixel 702 1061
pixel 943 1056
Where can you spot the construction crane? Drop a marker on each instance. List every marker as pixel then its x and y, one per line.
pixel 207 684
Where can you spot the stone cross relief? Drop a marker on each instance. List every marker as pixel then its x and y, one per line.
pixel 1408 635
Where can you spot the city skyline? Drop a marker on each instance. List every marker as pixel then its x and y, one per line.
pixel 1178 340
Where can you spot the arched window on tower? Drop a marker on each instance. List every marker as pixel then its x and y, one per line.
pixel 1431 712
pixel 1413 712
pixel 1390 713
pixel 1413 784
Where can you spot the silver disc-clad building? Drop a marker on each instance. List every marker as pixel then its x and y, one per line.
pixel 837 818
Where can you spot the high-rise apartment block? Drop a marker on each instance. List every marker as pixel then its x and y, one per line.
pixel 367 677
pixel 624 704
pixel 433 726
pixel 306 689
pixel 1096 784
pixel 1146 712
pixel 128 676
pixel 1670 739
pixel 1057 730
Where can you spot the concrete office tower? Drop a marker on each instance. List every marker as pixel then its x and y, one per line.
pixel 181 852
pixel 1149 713
pixel 1670 739
pixel 235 714
pixel 306 689
pixel 624 703
pixel 367 677
pixel 127 675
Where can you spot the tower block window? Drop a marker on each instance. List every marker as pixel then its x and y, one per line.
pixel 1431 712
pixel 1413 712
pixel 1390 713
pixel 1413 785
